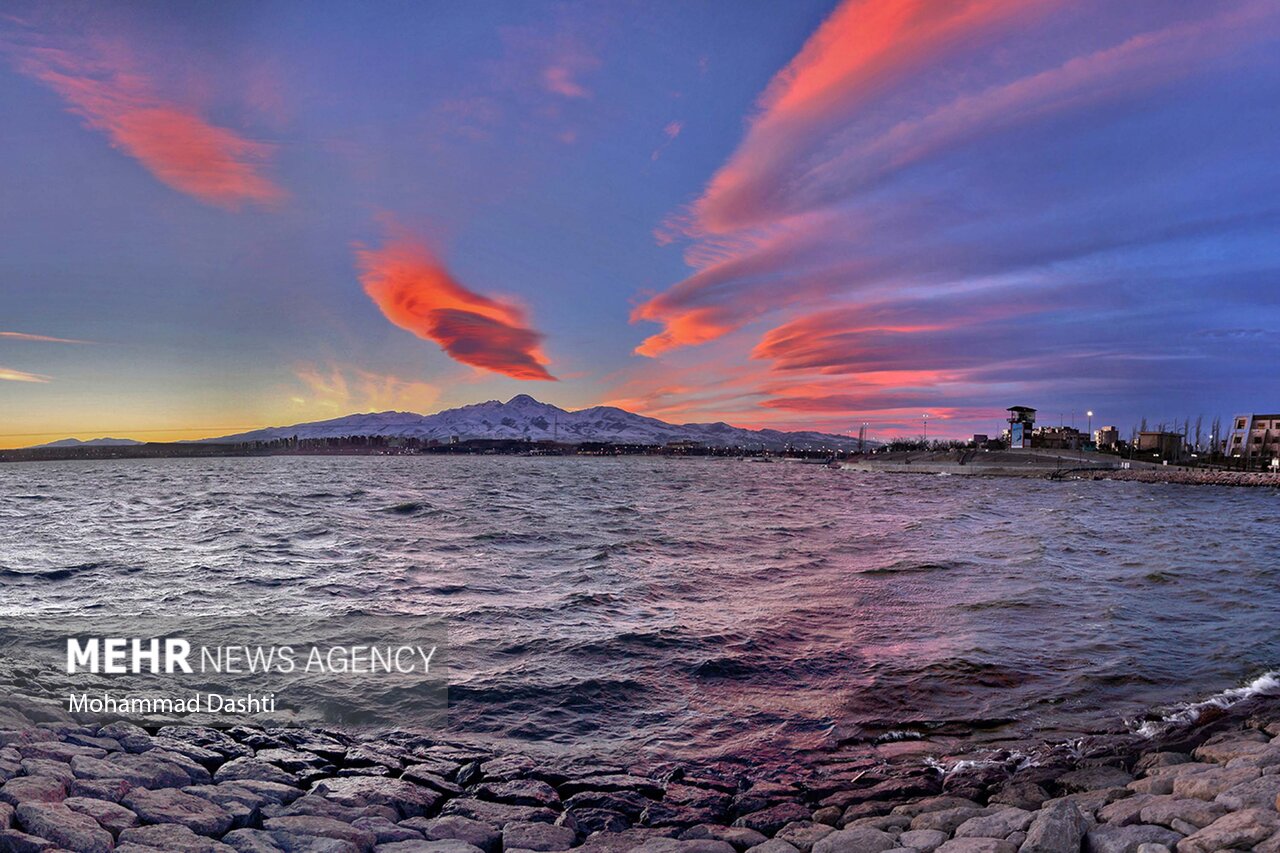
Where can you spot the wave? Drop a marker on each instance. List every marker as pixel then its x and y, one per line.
pixel 1267 684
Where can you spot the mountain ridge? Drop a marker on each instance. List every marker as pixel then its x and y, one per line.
pixel 525 418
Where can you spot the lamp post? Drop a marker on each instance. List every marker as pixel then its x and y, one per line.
pixel 1090 414
pixel 926 430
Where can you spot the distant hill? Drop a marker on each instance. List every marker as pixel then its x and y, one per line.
pixel 523 417
pixel 93 442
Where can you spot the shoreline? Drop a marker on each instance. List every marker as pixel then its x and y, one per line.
pixel 1205 780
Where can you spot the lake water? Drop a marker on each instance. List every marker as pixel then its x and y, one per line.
pixel 690 607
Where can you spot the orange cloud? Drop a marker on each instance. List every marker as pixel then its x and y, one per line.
pixel 415 292
pixel 11 375
pixel 101 84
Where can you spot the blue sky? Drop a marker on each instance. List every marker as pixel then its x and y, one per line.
pixel 809 214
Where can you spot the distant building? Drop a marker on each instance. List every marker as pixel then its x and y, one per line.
pixel 1057 438
pixel 980 440
pixel 1166 445
pixel 1022 421
pixel 1254 437
pixel 1106 438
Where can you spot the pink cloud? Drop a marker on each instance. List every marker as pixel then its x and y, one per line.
pixel 24 336
pixel 101 83
pixel 10 375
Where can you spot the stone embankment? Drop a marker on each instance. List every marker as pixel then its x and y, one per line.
pixel 1184 476
pixel 186 789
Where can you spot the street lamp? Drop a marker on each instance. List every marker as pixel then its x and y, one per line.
pixel 1090 414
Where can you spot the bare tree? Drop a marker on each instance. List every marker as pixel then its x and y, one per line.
pixel 1198 432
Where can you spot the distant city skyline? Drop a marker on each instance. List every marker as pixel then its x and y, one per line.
pixel 800 216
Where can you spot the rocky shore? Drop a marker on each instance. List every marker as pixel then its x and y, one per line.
pixel 1211 785
pixel 1185 476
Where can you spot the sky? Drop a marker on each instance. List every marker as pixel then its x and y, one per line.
pixel 807 215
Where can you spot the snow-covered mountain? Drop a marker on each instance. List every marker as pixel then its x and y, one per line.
pixel 93 442
pixel 523 417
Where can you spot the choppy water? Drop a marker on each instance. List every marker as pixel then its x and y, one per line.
pixel 693 607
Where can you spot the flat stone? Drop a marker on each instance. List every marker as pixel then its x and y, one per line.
pixel 6 815
pixel 1220 749
pixel 611 782
pixel 1258 793
pixel 408 799
pixel 385 831
pixel 1128 810
pixel 169 805
pixel 498 814
pixel 425 774
pixel 423 846
pixel 1059 827
pixel 598 820
pixel 15 841
pixel 626 803
pixel 1159 785
pixel 273 791
pixel 318 806
pixel 537 836
pixel 672 845
pixel 57 751
pixel 1092 778
pixel 138 770
pixel 739 837
pixel 772 819
pixel 803 834
pixel 1208 784
pixel 250 841
pixel 773 845
pixel 64 827
pixel 1241 829
pixel 1164 810
pixel 322 827
pixel 997 824
pixel 1159 759
pixel 110 816
pixel 1125 839
pixel 132 737
pixel 32 789
pixel 947 820
pixel 520 792
pixel 861 839
pixel 924 840
pixel 933 804
pixel 255 770
pixel 978 845
pixel 474 832
pixel 1024 795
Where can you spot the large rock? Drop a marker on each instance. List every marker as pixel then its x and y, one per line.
pixel 923 840
pixel 1257 793
pixel 141 770
pixel 739 837
pixel 1165 810
pixel 1092 778
pixel 1241 829
pixel 519 792
pixel 862 839
pixel 111 816
pixel 322 827
pixel 1228 745
pixel 978 845
pixel 32 789
pixel 998 824
pixel 1059 827
pixel 1208 784
pixel 520 835
pixel 406 798
pixel 16 841
pixel 947 820
pixel 171 838
pixel 474 832
pixel 254 770
pixel 498 814
pixel 773 845
pixel 385 831
pixel 1125 839
pixel 803 834
pixel 772 819
pixel 64 827
pixel 169 805
pixel 611 782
